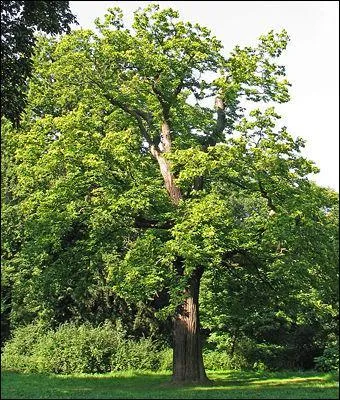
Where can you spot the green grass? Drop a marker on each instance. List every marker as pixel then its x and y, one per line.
pixel 142 385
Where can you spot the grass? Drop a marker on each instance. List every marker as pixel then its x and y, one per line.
pixel 142 385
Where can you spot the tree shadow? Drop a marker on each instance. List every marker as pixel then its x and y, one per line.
pixel 143 385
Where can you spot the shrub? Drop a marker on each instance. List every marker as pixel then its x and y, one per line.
pixel 165 359
pixel 142 355
pixel 18 351
pixel 246 353
pixel 264 356
pixel 78 349
pixel 216 360
pixel 329 361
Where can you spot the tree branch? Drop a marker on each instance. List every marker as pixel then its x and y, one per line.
pixel 221 119
pixel 143 223
pixel 137 114
pixel 248 261
pixel 266 196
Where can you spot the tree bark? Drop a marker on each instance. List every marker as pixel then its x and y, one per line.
pixel 188 360
pixel 164 165
pixel 169 180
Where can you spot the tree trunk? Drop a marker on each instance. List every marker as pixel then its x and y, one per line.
pixel 173 190
pixel 188 360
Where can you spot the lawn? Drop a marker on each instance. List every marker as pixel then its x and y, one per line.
pixel 142 385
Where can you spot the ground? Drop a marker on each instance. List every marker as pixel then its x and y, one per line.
pixel 143 385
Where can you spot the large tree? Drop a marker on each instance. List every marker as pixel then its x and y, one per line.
pixel 19 22
pixel 124 167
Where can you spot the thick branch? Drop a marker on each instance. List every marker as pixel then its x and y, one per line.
pixel 198 182
pixel 166 137
pixel 178 89
pixel 266 196
pixel 213 136
pixel 163 102
pixel 139 115
pixel 169 180
pixel 221 119
pixel 240 185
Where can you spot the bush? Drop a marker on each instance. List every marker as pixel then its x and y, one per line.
pixel 165 359
pixel 18 351
pixel 270 357
pixel 246 353
pixel 329 361
pixel 216 360
pixel 79 349
pixel 142 355
pixel 76 349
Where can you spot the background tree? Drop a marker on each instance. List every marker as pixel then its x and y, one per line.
pixel 125 184
pixel 19 22
pixel 293 315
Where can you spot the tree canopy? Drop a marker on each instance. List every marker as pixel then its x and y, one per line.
pixel 125 183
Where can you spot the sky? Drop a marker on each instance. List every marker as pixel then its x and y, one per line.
pixel 311 59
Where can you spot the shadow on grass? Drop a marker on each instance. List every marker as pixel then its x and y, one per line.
pixel 241 378
pixel 143 385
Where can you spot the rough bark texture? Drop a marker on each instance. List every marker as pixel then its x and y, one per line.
pixel 188 361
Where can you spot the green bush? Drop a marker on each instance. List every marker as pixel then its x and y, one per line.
pixel 329 361
pixel 165 359
pixel 18 351
pixel 216 360
pixel 132 355
pixel 87 349
pixel 246 353
pixel 75 349
pixel 78 349
pixel 270 357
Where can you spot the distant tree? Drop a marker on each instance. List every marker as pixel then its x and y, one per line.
pixel 19 22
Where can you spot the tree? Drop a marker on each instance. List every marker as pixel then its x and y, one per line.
pixel 19 22
pixel 122 170
pixel 293 310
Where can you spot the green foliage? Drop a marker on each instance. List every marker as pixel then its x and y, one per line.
pixel 80 349
pixel 90 233
pixel 166 359
pixel 246 354
pixel 18 352
pixel 19 22
pixel 221 360
pixel 329 361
